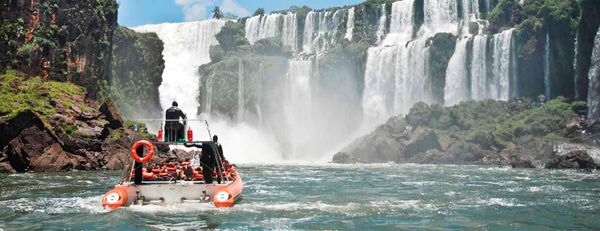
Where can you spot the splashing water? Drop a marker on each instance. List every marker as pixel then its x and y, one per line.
pixel 377 196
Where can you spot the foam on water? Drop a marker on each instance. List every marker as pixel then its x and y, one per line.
pixel 323 196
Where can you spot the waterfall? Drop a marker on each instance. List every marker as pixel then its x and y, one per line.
pixel 259 94
pixel 594 79
pixel 309 29
pixel 397 74
pixel 350 24
pixel 479 90
pixel 401 23
pixel 209 92
pixel 240 98
pixel 440 16
pixel 456 86
pixel 576 75
pixel 320 29
pixel 396 71
pixel 186 47
pixel 547 67
pixel 299 107
pixel 290 31
pixel 501 67
pixel 262 27
pixel 471 14
pixel 381 24
pixel 411 76
pixel 252 28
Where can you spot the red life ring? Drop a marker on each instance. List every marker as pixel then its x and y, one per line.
pixel 148 146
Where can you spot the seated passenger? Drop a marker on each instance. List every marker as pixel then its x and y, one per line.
pixel 188 171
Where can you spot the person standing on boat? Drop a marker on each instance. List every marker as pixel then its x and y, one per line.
pixel 173 128
pixel 208 162
pixel 219 147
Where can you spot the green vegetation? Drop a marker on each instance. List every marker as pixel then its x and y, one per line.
pixel 547 121
pixel 18 93
pixel 231 36
pixel 136 73
pixel 494 124
pixel 50 39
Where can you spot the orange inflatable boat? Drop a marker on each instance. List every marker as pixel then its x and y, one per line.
pixel 143 183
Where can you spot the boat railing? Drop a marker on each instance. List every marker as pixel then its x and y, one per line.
pixel 173 131
pixel 179 132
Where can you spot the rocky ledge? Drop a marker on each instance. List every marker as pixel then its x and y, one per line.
pixel 518 133
pixel 52 126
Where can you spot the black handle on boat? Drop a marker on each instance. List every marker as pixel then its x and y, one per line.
pixel 138 166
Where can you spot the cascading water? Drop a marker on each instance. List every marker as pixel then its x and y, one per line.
pixel 456 87
pixel 547 66
pixel 186 47
pixel 501 68
pixel 381 24
pixel 320 29
pixel 259 97
pixel 209 92
pixel 262 27
pixel 594 77
pixel 411 76
pixel 385 64
pixel 299 107
pixel 290 31
pixel 479 69
pixel 576 53
pixel 396 75
pixel 440 16
pixel 350 24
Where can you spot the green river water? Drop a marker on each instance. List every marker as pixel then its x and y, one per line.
pixel 368 197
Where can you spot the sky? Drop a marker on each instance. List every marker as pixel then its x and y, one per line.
pixel 139 12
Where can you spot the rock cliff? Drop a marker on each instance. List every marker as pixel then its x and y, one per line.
pixel 52 126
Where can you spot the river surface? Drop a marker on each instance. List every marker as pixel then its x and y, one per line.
pixel 386 196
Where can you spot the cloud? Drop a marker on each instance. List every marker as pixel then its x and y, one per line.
pixel 194 10
pixel 232 7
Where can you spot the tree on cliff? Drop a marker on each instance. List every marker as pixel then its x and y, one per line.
pixel 217 13
pixel 231 36
pixel 259 11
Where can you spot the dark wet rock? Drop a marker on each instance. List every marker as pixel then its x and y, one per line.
pixel 577 159
pixel 86 131
pixel 6 168
pixel 54 159
pixel 116 157
pixel 427 140
pixel 521 163
pixel 111 113
pixel 28 138
pixel 344 158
